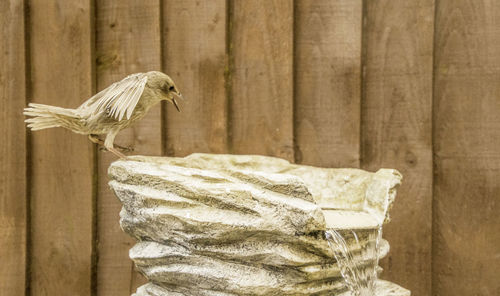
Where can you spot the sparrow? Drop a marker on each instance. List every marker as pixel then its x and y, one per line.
pixel 108 112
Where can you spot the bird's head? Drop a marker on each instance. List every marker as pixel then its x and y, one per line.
pixel 165 87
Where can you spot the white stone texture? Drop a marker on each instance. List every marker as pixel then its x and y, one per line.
pixel 246 225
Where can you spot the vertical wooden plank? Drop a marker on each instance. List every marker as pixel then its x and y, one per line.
pixel 261 106
pixel 195 57
pixel 62 162
pixel 12 149
pixel 396 128
pixel 466 232
pixel 127 41
pixel 327 82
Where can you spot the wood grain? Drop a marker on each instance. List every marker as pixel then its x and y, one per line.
pixel 127 41
pixel 195 57
pixel 261 95
pixel 12 149
pixel 62 162
pixel 327 82
pixel 466 220
pixel 396 129
pixel 255 74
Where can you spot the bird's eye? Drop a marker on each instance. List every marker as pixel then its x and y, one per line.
pixel 171 88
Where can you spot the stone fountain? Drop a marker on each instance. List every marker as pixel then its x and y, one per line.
pixel 247 225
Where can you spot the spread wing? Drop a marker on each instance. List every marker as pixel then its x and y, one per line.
pixel 118 99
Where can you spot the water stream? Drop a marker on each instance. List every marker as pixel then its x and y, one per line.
pixel 357 260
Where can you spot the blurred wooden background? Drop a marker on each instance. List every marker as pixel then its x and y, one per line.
pixel 412 85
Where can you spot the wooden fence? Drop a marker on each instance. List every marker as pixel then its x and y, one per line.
pixel 412 85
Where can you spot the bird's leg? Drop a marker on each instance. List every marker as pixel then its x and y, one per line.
pixel 108 143
pixel 117 153
pixel 95 139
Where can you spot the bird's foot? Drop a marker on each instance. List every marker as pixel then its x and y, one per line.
pixel 117 153
pixel 120 148
pixel 124 149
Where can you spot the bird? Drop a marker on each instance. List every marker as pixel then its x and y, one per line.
pixel 110 110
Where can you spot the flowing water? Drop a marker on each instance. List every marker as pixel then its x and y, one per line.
pixel 357 260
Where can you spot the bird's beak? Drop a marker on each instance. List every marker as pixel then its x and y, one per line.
pixel 179 95
pixel 175 104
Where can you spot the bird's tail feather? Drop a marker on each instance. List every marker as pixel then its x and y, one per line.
pixel 46 116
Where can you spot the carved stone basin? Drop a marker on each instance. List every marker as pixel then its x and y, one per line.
pixel 246 225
